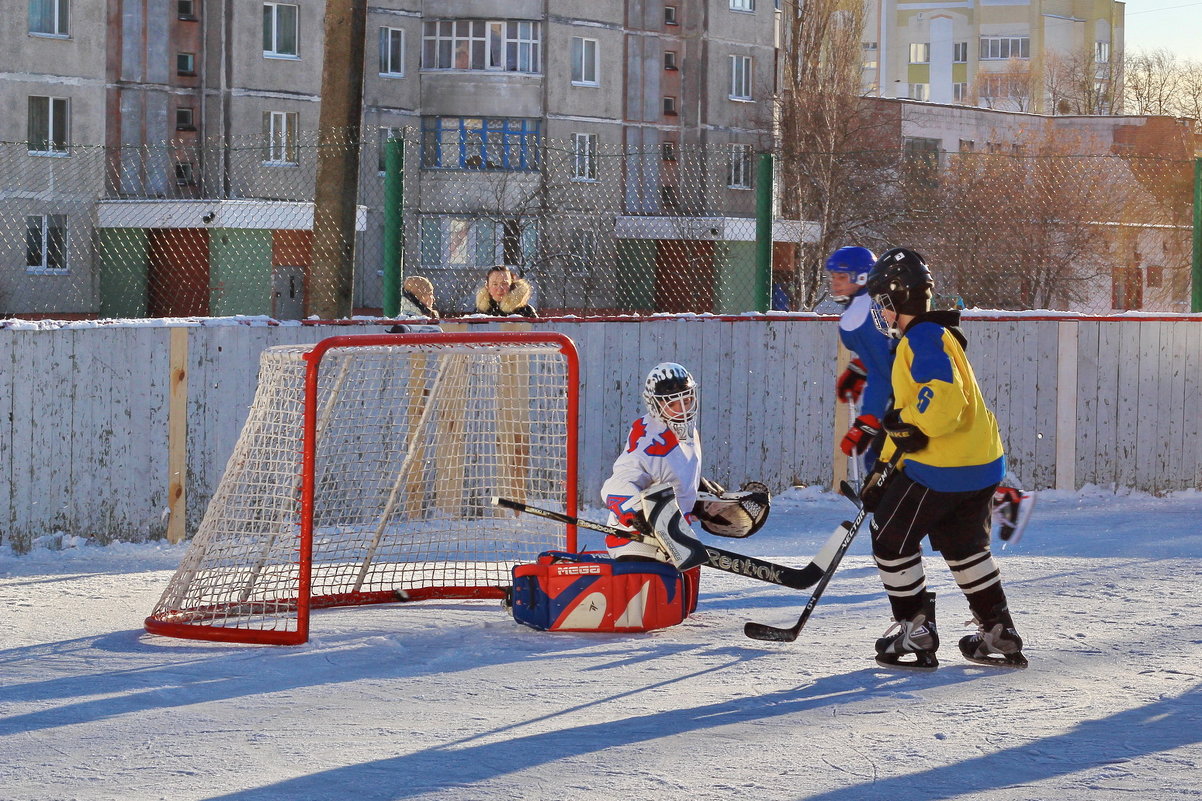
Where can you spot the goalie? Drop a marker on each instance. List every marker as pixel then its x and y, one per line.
pixel 663 446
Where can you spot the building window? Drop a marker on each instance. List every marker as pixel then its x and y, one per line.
pixel 959 92
pixel 279 129
pixel 280 30
pixel 967 145
pixel 669 197
pixel 670 106
pixel 185 9
pixel 740 77
pixel 392 52
pixel 584 166
pixel 465 244
pixel 960 52
pixel 1101 52
pixel 49 125
pixel 46 243
pixel 185 119
pixel 584 61
pixel 670 60
pixel 50 17
pixel 183 174
pixel 1155 276
pixel 920 52
pixel 738 168
pixel 995 48
pixel 920 91
pixel 670 15
pixel 476 44
pixel 480 143
pixel 386 133
pixel 742 5
pixel 667 151
pixel 185 63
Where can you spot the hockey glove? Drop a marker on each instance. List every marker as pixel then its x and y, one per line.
pixel 734 514
pixel 873 490
pixel 907 437
pixel 860 435
pixel 850 384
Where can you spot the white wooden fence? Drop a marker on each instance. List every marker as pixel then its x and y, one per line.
pixel 87 411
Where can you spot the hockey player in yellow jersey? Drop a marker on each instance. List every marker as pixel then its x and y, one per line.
pixel 953 462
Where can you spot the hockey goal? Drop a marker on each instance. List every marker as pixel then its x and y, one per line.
pixel 364 474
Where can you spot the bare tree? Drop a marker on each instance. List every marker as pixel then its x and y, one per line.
pixel 1159 83
pixel 1008 88
pixel 1055 242
pixel 837 158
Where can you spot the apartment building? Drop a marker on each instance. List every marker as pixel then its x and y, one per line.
pixel 1040 56
pixel 161 153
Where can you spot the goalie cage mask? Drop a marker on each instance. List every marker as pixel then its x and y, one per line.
pixel 670 394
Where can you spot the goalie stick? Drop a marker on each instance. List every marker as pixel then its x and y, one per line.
pixel 761 631
pixel 717 558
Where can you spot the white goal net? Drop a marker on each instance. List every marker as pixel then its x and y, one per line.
pixel 365 472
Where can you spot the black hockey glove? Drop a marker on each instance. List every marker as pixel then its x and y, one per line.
pixel 873 489
pixel 906 437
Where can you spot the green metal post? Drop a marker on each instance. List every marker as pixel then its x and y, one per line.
pixel 394 227
pixel 1196 274
pixel 763 233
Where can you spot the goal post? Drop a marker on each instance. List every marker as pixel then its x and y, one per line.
pixel 364 474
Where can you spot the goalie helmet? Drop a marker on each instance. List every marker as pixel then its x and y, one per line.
pixel 854 262
pixel 671 397
pixel 900 282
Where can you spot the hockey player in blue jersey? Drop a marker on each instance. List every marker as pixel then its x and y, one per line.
pixel 866 380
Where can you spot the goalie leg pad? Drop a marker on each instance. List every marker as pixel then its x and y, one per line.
pixel 591 592
pixel 734 514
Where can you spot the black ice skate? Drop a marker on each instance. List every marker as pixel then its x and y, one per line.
pixel 996 643
pixel 915 636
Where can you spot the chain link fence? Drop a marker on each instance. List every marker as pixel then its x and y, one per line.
pixel 226 227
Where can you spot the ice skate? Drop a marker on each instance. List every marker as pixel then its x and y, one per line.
pixel 996 642
pixel 916 636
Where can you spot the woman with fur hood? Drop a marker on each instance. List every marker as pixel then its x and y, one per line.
pixel 503 294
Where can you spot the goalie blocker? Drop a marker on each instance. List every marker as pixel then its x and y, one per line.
pixel 732 514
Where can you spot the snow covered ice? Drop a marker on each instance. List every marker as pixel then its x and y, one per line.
pixel 453 700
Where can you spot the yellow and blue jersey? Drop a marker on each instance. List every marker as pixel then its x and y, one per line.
pixel 935 389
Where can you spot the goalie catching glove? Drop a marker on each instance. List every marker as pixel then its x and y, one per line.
pixel 732 514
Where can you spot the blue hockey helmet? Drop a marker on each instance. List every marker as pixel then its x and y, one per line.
pixel 854 262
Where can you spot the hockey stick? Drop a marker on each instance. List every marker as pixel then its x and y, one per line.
pixel 853 462
pixel 761 631
pixel 717 558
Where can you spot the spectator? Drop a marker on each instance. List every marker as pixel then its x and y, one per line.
pixel 417 298
pixel 504 294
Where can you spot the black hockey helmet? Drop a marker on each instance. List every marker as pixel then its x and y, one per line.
pixel 900 280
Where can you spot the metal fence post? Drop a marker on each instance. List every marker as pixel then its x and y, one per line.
pixel 763 233
pixel 394 239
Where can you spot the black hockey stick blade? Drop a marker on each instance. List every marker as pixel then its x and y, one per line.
pixel 762 631
pixel 717 558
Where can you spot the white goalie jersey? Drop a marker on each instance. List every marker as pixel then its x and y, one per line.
pixel 652 454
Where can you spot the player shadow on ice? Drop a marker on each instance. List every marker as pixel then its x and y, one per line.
pixel 178 673
pixel 463 762
pixel 1157 727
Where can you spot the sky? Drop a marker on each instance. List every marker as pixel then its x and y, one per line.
pixel 454 701
pixel 1174 25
